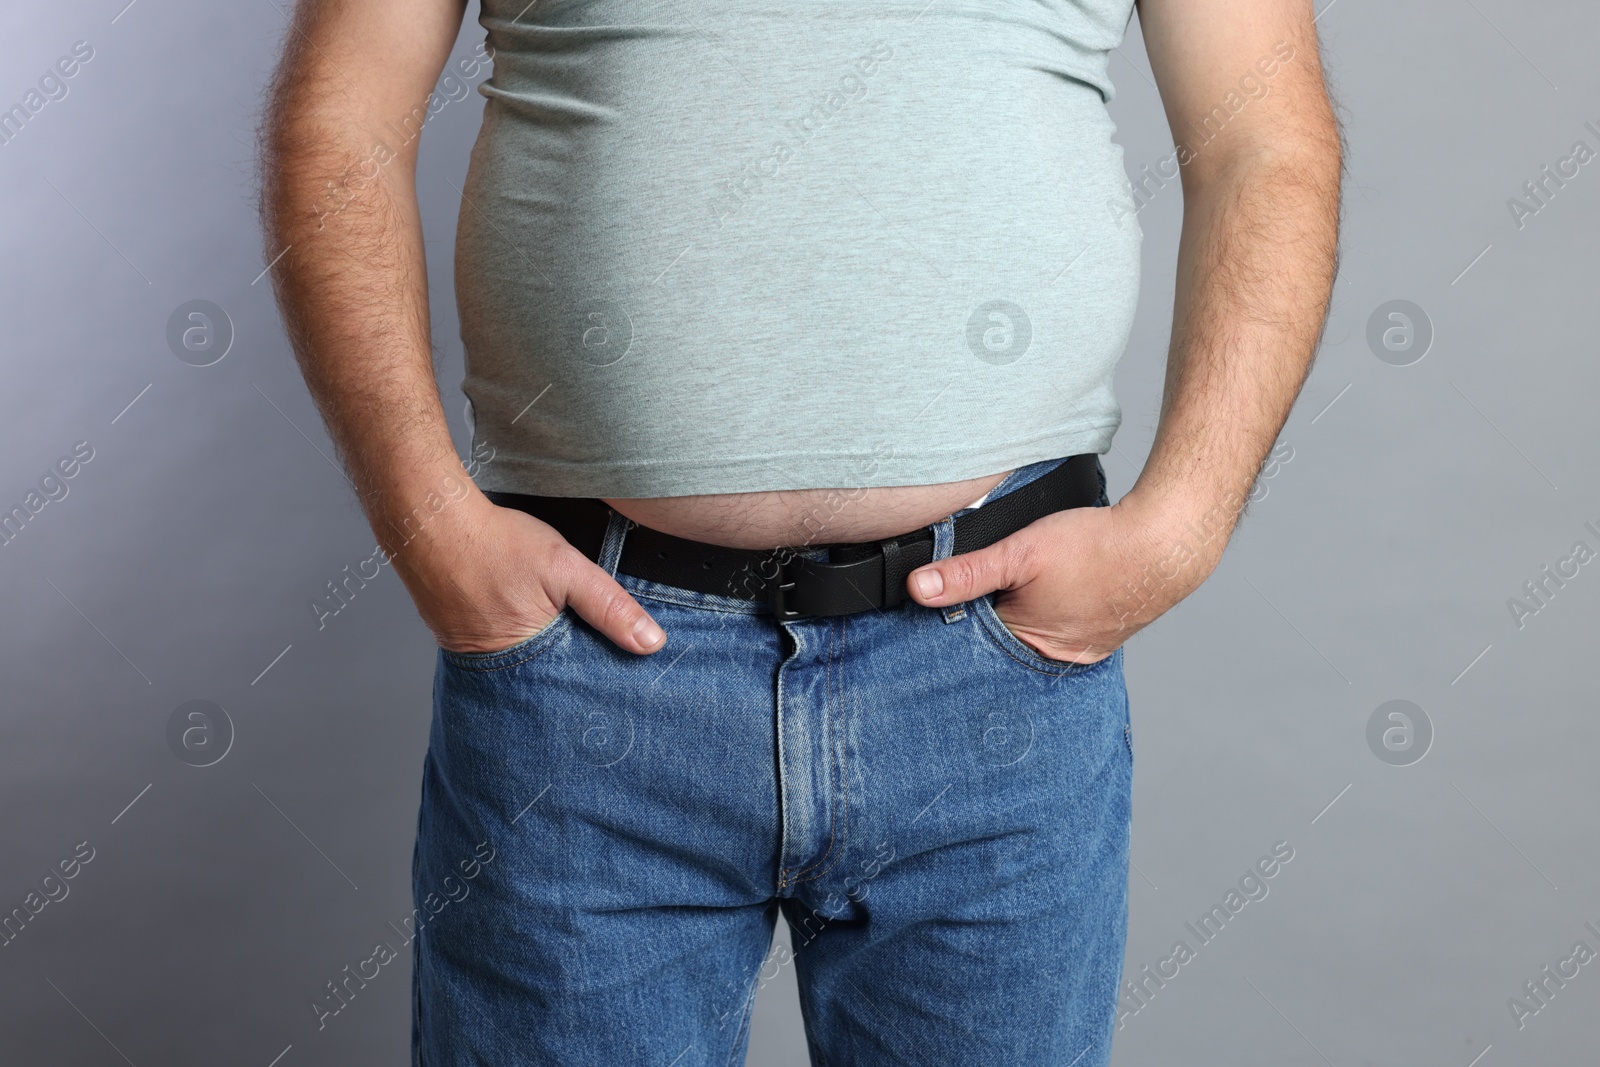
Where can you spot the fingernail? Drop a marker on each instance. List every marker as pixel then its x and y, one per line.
pixel 647 633
pixel 930 583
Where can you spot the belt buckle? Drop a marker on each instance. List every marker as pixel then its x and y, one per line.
pixel 828 576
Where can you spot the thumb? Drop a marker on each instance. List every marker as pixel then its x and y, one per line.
pixel 969 575
pixel 602 602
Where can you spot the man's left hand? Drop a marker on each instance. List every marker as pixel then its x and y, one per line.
pixel 1076 584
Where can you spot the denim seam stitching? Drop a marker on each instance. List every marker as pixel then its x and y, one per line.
pixel 805 874
pixel 781 771
pixel 827 690
pixel 841 812
pixel 744 1020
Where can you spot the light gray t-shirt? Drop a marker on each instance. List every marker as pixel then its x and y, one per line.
pixel 714 247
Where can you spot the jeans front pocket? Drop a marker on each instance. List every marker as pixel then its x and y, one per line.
pixel 1013 647
pixel 514 655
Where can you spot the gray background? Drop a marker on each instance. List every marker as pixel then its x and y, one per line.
pixel 1377 567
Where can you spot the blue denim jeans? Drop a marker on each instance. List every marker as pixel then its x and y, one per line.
pixel 605 840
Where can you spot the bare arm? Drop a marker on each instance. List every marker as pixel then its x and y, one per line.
pixel 1256 262
pixel 339 206
pixel 339 209
pixel 1258 250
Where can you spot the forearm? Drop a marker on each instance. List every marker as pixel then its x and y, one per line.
pixel 340 213
pixel 1256 264
pixel 1255 268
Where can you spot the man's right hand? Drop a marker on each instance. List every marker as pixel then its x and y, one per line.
pixel 485 578
pixel 345 244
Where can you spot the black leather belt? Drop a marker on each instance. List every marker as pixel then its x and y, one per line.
pixel 855 577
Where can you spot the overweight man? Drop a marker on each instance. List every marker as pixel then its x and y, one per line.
pixel 783 577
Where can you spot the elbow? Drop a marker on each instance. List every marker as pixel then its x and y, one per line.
pixel 316 163
pixel 1311 157
pixel 1302 143
pixel 284 140
pixel 283 176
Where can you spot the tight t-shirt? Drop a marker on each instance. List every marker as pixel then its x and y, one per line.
pixel 755 245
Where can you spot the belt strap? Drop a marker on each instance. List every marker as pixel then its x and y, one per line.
pixel 856 577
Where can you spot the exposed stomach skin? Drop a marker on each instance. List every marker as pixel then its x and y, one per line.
pixel 798 517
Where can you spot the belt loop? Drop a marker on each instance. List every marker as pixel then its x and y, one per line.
pixel 617 528
pixel 944 545
pixel 944 538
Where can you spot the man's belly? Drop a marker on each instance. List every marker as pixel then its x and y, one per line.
pixel 677 274
pixel 800 517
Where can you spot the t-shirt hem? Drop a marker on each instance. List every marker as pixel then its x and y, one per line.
pixel 869 469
